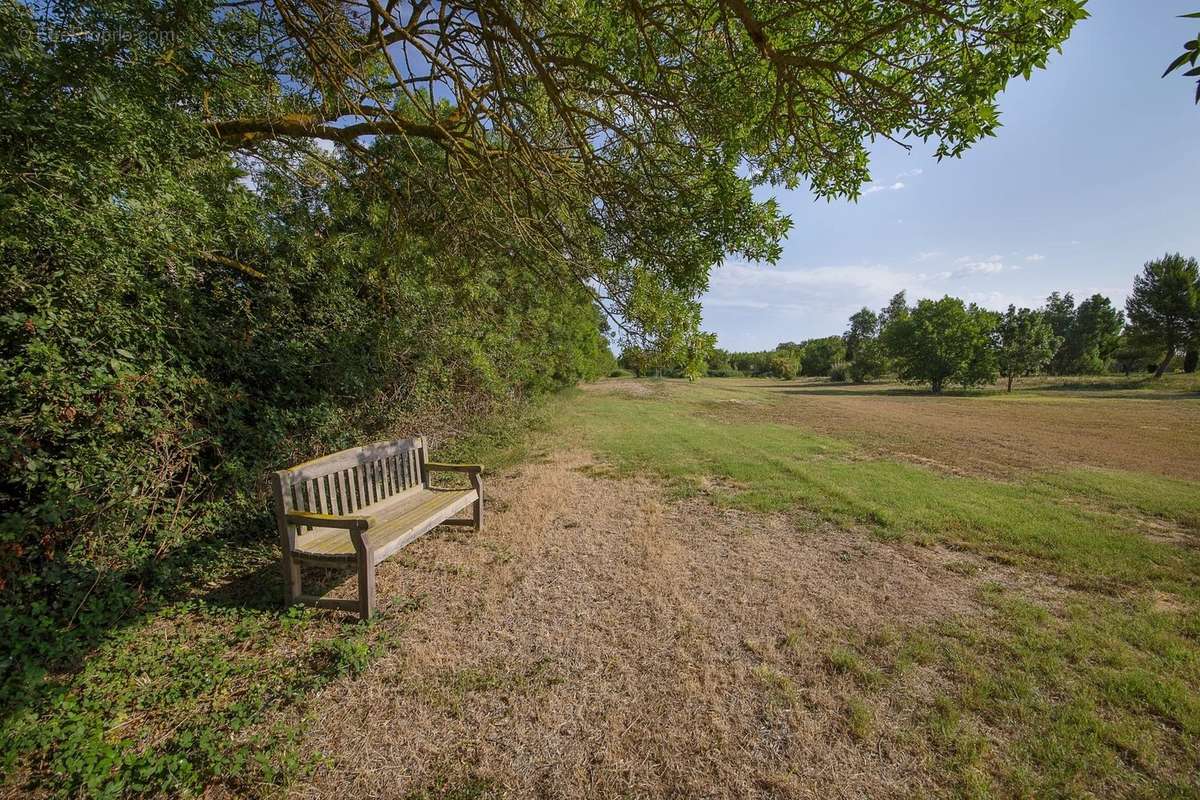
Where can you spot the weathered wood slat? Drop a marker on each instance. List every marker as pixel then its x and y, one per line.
pixel 335 493
pixel 360 486
pixel 328 542
pixel 352 457
pixel 322 495
pixel 329 602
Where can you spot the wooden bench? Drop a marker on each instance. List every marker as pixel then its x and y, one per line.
pixel 361 505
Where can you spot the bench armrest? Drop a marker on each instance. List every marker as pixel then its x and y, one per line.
pixel 349 523
pixel 470 469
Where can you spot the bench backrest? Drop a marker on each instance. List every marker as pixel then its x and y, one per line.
pixel 351 480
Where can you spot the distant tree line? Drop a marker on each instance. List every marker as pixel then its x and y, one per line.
pixel 950 342
pixel 812 357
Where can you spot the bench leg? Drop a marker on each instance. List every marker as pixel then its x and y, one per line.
pixel 477 481
pixel 291 579
pixel 366 586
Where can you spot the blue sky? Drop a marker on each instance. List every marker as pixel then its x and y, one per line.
pixel 1093 173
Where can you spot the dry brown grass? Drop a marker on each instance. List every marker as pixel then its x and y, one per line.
pixel 598 641
pixel 1159 434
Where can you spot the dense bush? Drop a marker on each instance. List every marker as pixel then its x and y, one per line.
pixel 173 327
pixel 781 367
pixel 820 355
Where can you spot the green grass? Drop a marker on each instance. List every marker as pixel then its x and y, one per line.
pixel 1096 696
pixel 1070 522
pixel 185 693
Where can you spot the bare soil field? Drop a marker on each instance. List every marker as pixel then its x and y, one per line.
pixel 1158 433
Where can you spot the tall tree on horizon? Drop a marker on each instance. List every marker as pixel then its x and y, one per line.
pixel 1059 312
pixel 1164 305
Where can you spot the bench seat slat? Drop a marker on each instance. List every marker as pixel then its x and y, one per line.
pixel 398 524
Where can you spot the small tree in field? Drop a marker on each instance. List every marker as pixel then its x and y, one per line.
pixel 943 341
pixel 869 362
pixel 1164 305
pixel 864 324
pixel 821 354
pixel 1025 343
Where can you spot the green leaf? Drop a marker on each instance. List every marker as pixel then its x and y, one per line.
pixel 1176 64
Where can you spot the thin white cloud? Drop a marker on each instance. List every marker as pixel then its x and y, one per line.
pixel 749 302
pixel 825 289
pixel 909 173
pixel 979 268
pixel 884 187
pixel 738 277
pixel 1034 257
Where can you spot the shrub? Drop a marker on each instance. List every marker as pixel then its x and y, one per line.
pixel 869 362
pixel 821 354
pixel 839 372
pixel 782 368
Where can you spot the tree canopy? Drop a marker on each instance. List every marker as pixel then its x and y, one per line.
pixel 617 145
pixel 1025 343
pixel 1164 306
pixel 864 325
pixel 943 341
